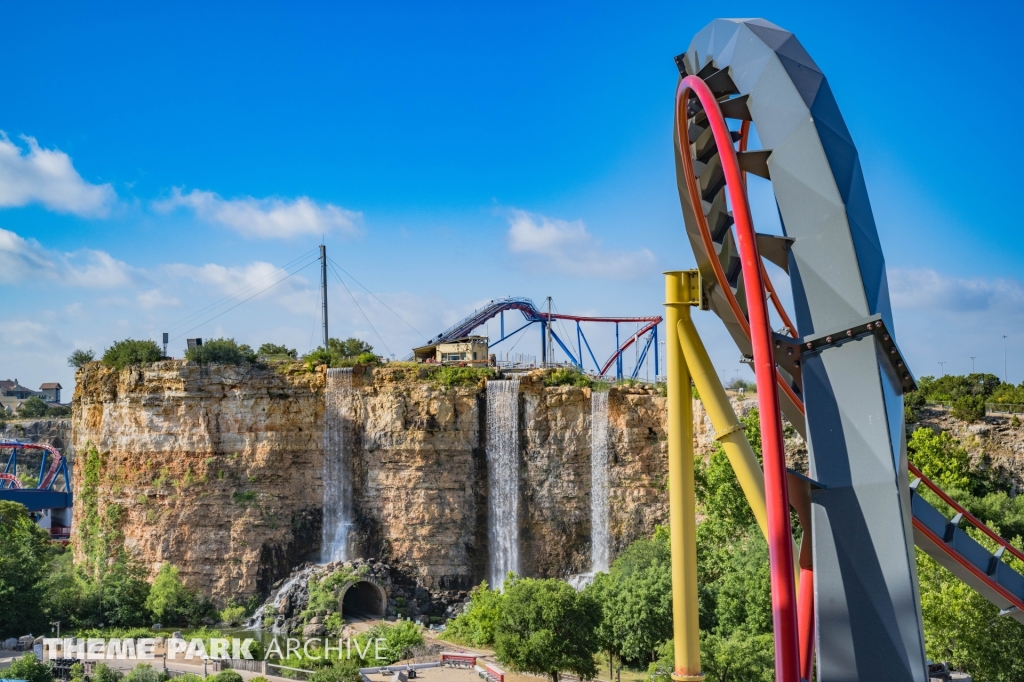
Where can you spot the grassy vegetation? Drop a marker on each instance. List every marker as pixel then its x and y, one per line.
pixel 568 376
pixel 450 376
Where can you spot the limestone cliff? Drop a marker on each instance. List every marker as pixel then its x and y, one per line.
pixel 219 471
pixel 213 469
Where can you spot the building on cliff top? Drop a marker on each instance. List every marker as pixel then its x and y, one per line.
pixel 469 350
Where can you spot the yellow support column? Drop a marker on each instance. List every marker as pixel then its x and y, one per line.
pixel 728 429
pixel 679 296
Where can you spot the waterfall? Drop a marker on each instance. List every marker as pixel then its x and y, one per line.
pixel 337 519
pixel 503 478
pixel 598 481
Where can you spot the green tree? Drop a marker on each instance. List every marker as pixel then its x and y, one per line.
pixel 27 668
pixel 221 352
pixel 962 627
pixel 476 625
pixel 123 596
pixel 968 408
pixel 171 602
pixel 349 348
pixel 131 352
pixel 24 553
pixel 80 357
pixel 33 408
pixel 277 349
pixel 941 458
pixel 546 627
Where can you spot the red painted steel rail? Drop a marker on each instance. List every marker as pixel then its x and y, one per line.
pixel 780 538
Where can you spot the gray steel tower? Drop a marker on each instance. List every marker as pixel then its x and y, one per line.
pixel 845 368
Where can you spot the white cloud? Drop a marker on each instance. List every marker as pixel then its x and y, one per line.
pixel 48 177
pixel 294 293
pixel 154 298
pixel 265 218
pixel 568 248
pixel 25 260
pixel 926 289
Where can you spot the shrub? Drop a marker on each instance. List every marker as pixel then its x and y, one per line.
pixel 399 639
pixel 345 670
pixel 104 673
pixel 143 672
pixel 568 376
pixel 969 408
pixel 450 376
pixel 274 349
pixel 171 602
pixel 27 668
pixel 475 626
pixel 345 353
pixel 131 352
pixel 227 676
pixel 221 352
pixel 233 614
pixel 80 357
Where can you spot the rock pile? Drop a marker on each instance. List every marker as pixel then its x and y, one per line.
pixel 287 612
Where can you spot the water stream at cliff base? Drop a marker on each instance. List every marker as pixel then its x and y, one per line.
pixel 503 478
pixel 598 482
pixel 337 518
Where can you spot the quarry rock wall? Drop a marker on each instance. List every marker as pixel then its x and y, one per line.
pixel 219 471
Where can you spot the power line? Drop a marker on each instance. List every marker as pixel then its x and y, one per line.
pixel 342 282
pixel 244 300
pixel 223 301
pixel 335 263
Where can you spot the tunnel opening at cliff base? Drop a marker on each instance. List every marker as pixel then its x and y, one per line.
pixel 363 599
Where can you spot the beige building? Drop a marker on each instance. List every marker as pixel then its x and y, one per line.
pixel 469 350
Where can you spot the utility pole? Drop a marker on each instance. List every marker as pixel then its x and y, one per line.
pixel 942 366
pixel 972 363
pixel 323 285
pixel 1005 380
pixel 547 342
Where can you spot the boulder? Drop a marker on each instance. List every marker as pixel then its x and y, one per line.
pixel 314 630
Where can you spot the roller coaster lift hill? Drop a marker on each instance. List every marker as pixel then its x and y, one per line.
pixel 845 601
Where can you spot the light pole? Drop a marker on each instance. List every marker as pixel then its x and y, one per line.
pixel 55 624
pixel 942 366
pixel 1005 380
pixel 972 363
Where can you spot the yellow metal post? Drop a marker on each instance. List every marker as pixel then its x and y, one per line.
pixel 727 427
pixel 679 292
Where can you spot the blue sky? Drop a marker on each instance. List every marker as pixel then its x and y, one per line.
pixel 159 158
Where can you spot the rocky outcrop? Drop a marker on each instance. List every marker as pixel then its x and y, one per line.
pixel 213 469
pixel 995 443
pixel 55 432
pixel 219 471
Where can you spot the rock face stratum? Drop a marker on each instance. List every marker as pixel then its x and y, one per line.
pixel 219 471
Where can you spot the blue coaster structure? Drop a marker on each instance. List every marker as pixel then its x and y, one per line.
pixel 52 498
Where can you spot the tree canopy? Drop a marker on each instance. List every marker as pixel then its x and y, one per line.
pixel 221 352
pixel 131 352
pixel 546 627
pixel 80 357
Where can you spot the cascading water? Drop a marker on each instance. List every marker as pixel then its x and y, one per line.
pixel 337 519
pixel 598 481
pixel 503 478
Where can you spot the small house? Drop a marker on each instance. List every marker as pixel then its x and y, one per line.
pixel 50 392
